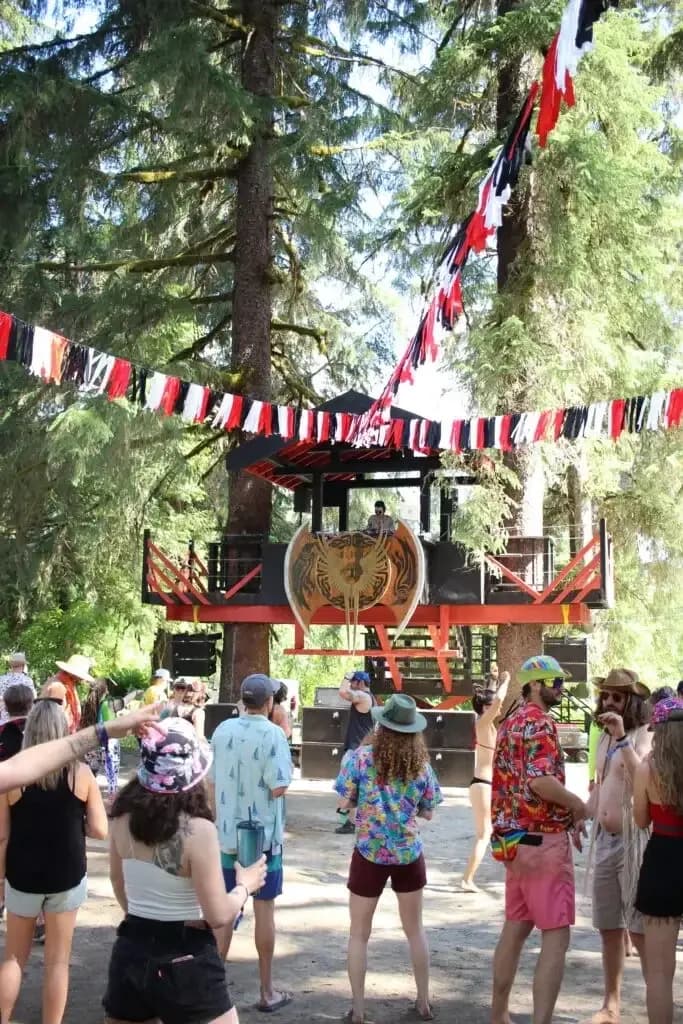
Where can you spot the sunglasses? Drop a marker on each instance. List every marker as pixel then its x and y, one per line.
pixel 50 700
pixel 556 684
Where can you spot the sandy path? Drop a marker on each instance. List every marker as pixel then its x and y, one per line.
pixel 312 921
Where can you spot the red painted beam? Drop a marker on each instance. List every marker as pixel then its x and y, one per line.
pixel 425 615
pixel 397 652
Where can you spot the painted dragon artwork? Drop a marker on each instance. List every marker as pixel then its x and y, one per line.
pixel 353 572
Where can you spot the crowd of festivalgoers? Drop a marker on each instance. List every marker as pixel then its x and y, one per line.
pixel 201 827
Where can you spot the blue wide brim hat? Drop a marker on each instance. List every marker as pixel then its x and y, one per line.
pixel 172 757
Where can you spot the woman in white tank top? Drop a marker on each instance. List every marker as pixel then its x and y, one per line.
pixel 166 874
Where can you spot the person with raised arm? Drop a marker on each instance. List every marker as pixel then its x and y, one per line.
pixel 31 764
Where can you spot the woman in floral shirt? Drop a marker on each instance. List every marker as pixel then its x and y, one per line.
pixel 392 784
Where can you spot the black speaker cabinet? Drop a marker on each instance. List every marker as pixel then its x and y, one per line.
pixel 452 730
pixel 321 760
pixel 217 713
pixel 453 767
pixel 324 725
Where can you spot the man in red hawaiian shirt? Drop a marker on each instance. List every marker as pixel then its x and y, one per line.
pixel 532 814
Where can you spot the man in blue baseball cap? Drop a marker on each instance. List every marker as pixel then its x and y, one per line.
pixel 251 770
pixel 355 688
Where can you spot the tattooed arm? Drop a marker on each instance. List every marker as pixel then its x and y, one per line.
pixel 29 765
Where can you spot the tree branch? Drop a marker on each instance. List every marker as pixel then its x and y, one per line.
pixel 50 44
pixel 208 300
pixel 221 17
pixel 201 343
pixel 311 46
pixel 154 175
pixel 308 332
pixel 144 266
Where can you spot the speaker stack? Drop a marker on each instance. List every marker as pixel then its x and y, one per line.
pixel 449 737
pixel 217 713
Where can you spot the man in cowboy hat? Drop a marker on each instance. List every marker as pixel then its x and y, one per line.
pixel 532 813
pixel 622 715
pixel 17 675
pixel 72 672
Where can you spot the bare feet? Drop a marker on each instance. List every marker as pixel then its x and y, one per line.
pixel 468 886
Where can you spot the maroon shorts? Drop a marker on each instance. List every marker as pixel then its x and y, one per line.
pixel 368 879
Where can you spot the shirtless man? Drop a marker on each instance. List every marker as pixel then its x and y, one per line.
pixel 622 714
pixel 487 705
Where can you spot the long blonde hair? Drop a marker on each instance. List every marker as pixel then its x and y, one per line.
pixel 667 758
pixel 46 722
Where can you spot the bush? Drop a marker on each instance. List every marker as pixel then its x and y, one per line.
pixel 127 679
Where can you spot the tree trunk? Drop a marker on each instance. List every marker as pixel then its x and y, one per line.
pixel 580 511
pixel 517 642
pixel 250 497
pixel 161 650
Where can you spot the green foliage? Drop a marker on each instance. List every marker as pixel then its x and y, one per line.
pixel 126 680
pixel 312 670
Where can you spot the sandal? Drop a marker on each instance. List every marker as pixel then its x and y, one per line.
pixel 284 1000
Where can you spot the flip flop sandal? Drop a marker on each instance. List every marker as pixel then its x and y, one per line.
pixel 284 1000
pixel 429 1015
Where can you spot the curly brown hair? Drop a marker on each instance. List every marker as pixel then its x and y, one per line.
pixel 667 758
pixel 398 756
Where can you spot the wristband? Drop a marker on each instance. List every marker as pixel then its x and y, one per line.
pixel 241 885
pixel 102 736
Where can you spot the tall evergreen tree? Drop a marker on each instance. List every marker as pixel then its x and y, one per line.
pixel 184 187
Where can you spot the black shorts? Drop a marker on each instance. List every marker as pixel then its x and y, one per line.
pixel 163 970
pixel 660 886
pixel 369 879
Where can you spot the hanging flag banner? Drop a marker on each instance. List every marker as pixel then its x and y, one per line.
pixel 56 360
pixel 573 40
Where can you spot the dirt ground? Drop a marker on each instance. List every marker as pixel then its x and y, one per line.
pixel 312 928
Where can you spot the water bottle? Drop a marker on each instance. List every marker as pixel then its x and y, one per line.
pixel 250 841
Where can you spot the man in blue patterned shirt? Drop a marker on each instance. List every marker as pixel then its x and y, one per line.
pixel 251 771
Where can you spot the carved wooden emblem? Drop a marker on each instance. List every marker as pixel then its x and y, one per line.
pixel 354 572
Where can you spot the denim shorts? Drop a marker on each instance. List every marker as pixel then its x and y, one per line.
pixel 162 970
pixel 30 904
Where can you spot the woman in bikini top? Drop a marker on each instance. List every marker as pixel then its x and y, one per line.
pixel 487 704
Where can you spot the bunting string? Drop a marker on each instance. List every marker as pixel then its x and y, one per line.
pixel 573 39
pixel 54 359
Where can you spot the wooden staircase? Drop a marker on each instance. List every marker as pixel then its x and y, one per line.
pixel 435 674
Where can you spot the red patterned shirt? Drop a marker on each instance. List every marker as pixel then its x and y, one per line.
pixel 527 748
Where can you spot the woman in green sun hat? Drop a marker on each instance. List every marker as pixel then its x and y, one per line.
pixel 392 784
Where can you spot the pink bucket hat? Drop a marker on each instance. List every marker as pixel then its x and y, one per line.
pixel 172 757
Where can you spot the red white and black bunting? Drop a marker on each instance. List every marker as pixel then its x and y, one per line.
pixel 56 360
pixel 445 306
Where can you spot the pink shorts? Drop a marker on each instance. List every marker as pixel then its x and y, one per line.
pixel 539 884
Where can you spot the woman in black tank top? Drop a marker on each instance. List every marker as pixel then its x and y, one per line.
pixel 42 858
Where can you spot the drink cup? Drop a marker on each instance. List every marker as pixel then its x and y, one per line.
pixel 250 840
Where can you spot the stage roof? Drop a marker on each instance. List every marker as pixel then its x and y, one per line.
pixel 291 464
